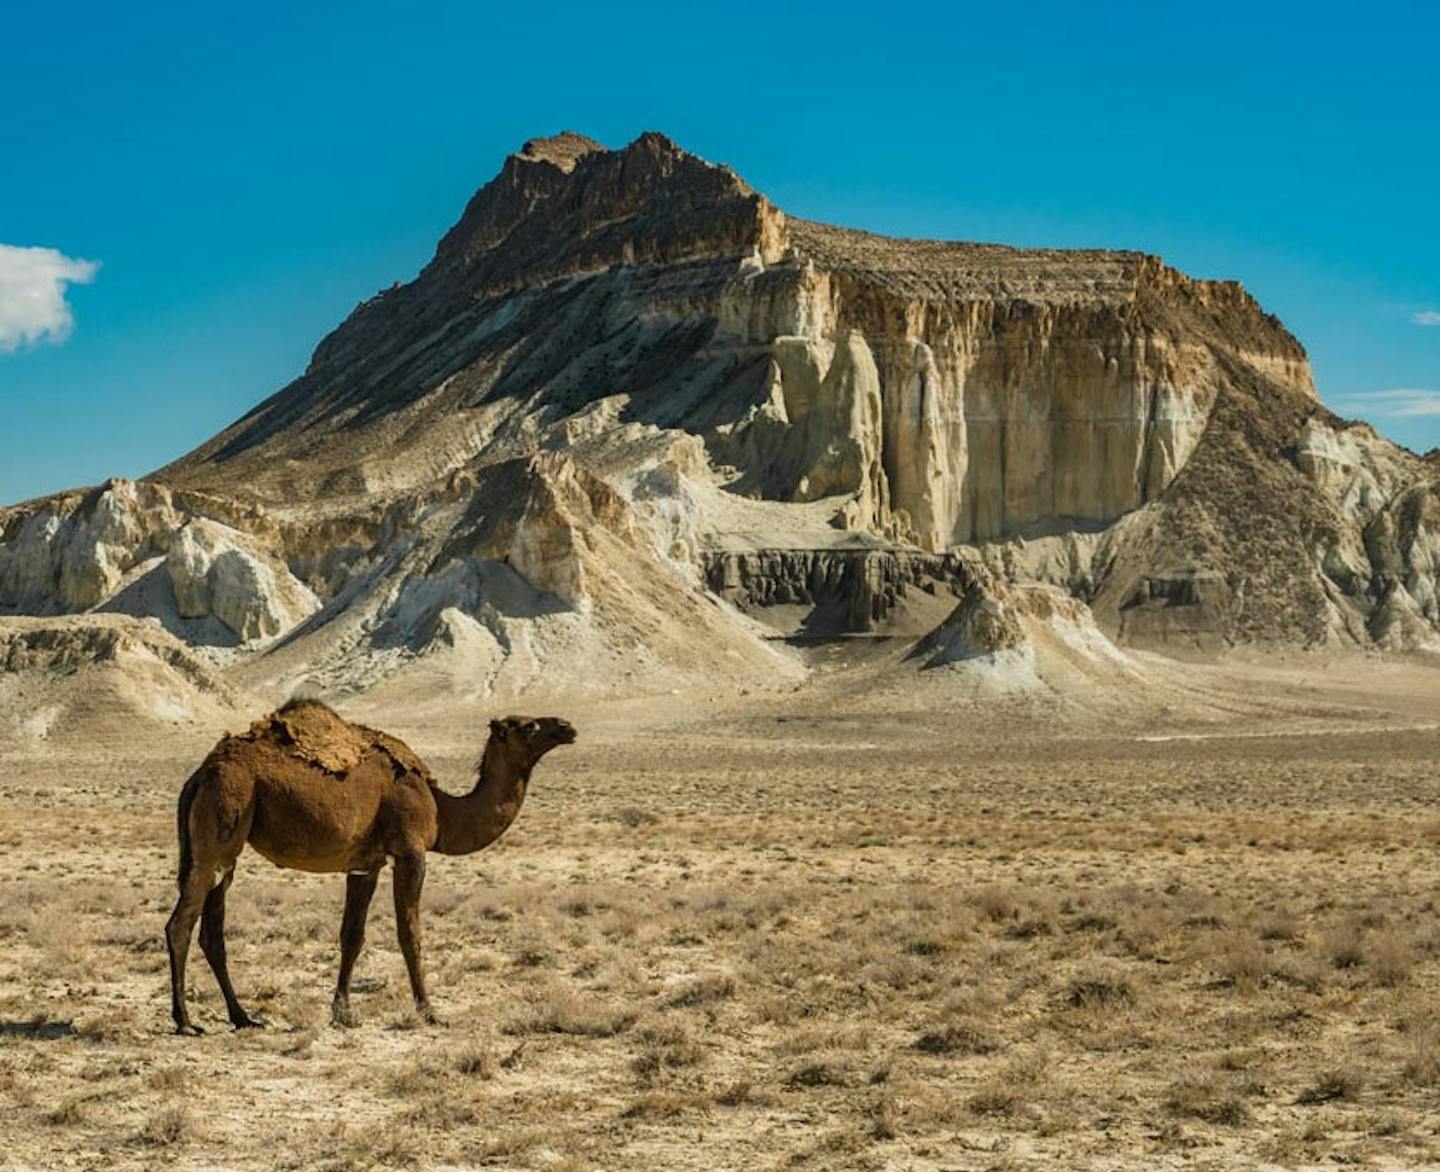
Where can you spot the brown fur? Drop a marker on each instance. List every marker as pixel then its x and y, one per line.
pixel 313 792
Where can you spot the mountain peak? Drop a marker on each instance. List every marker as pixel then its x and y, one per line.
pixel 589 208
pixel 564 149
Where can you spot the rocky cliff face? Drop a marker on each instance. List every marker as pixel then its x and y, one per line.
pixel 627 385
pixel 969 392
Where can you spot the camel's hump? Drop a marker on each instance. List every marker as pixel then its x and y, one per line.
pixel 313 732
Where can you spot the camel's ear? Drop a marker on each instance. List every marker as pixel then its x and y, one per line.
pixel 498 729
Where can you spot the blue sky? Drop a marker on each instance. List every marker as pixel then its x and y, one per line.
pixel 243 175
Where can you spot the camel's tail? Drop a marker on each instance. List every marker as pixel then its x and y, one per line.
pixel 182 819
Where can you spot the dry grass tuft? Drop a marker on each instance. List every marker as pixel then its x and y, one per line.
pixel 1332 1085
pixel 664 1105
pixel 1009 1090
pixel 1100 989
pixel 165 1128
pixel 665 1048
pixel 560 1010
pixel 1241 960
pixel 1210 1098
pixel 475 1061
pixel 1345 946
pixel 996 1097
pixel 635 816
pixel 828 1072
pixel 1391 960
pixel 67 1113
pixel 1308 971
pixel 510 1146
pixel 735 1094
pixel 959 1037
pixel 167 1078
pixel 1422 1063
pixel 702 991
pixel 1281 927
pixel 997 904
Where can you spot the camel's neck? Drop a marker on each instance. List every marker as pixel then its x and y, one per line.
pixel 477 819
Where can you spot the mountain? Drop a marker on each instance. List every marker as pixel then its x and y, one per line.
pixel 632 419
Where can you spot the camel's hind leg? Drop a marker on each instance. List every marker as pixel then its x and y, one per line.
pixel 212 942
pixel 181 925
pixel 213 823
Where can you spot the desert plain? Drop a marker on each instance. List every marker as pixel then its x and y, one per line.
pixel 877 921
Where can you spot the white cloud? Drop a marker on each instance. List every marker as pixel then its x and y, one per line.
pixel 1426 317
pixel 32 294
pixel 1401 403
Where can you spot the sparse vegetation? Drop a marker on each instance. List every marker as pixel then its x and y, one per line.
pixel 1209 1098
pixel 1017 955
pixel 1099 989
pixel 165 1128
pixel 561 1010
pixel 956 1038
pixel 1336 1083
pixel 703 991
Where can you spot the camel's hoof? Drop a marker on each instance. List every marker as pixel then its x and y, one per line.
pixel 429 1016
pixel 344 1017
pixel 246 1022
pixel 188 1030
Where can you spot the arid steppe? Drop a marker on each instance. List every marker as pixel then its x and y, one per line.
pixel 860 925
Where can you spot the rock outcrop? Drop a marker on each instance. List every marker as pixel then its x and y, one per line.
pixel 981 625
pixel 75 676
pixel 143 549
pixel 835 591
pixel 216 570
pixel 629 402
pixel 1006 638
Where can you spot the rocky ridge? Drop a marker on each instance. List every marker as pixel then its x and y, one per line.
pixel 630 401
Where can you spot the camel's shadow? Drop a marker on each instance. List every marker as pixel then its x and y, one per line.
pixel 38 1029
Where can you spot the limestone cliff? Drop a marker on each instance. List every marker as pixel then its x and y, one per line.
pixel 954 392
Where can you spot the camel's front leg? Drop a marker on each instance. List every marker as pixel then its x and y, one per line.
pixel 409 879
pixel 212 941
pixel 358 891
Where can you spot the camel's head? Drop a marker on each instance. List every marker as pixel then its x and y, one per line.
pixel 532 736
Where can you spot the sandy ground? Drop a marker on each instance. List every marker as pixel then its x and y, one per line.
pixel 854 926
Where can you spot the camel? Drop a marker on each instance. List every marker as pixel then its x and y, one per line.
pixel 314 792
